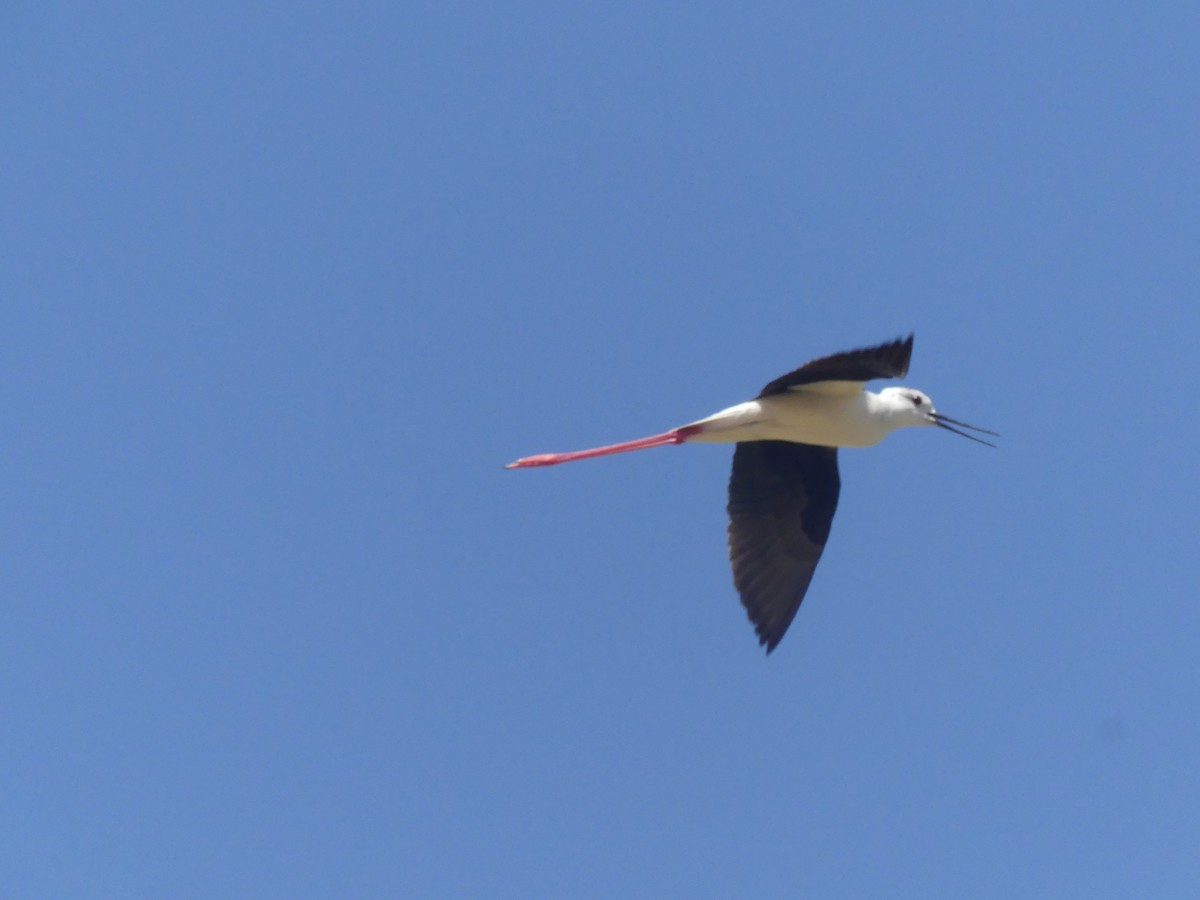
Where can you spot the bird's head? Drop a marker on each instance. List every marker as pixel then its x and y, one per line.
pixel 908 406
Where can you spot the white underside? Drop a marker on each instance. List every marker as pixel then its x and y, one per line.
pixel 832 414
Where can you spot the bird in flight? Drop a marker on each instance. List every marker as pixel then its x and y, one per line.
pixel 784 487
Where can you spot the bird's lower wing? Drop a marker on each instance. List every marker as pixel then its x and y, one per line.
pixel 782 497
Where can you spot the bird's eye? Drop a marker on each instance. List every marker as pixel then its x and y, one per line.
pixel 916 401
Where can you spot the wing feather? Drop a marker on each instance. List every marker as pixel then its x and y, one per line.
pixel 782 497
pixel 888 360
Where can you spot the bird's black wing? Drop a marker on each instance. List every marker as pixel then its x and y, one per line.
pixel 782 497
pixel 882 361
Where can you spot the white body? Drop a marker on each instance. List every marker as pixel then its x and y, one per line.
pixel 829 414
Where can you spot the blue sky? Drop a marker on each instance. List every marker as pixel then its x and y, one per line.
pixel 284 288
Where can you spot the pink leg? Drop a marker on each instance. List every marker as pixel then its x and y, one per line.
pixel 674 436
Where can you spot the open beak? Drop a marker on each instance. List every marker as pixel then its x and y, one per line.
pixel 948 423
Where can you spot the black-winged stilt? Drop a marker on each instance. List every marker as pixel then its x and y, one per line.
pixel 784 487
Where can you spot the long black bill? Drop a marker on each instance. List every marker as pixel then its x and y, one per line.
pixel 948 423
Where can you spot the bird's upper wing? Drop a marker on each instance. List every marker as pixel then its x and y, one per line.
pixel 882 361
pixel 782 497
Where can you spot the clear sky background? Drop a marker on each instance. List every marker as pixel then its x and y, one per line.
pixel 284 286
